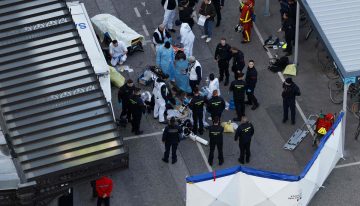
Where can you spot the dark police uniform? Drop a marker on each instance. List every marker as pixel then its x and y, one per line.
pixel 238 62
pixel 289 28
pixel 238 89
pixel 289 93
pixel 223 56
pixel 244 133
pixel 171 138
pixel 218 4
pixel 215 106
pixel 216 139
pixel 137 108
pixel 251 80
pixel 197 107
pixel 124 94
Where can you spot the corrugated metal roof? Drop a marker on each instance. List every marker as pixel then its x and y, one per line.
pixel 51 102
pixel 338 23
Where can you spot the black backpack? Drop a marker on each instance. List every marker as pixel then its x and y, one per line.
pixel 278 65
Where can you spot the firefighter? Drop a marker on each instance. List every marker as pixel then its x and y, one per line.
pixel 216 140
pixel 244 133
pixel 216 105
pixel 161 94
pixel 223 56
pixel 171 138
pixel 290 91
pixel 137 108
pixel 197 107
pixel 246 15
pixel 104 187
pixel 238 89
pixel 124 94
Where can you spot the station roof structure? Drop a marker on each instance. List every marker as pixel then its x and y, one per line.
pixel 53 112
pixel 338 24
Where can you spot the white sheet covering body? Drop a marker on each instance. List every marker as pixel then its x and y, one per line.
pixel 117 29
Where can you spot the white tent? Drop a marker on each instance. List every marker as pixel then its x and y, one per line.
pixel 242 186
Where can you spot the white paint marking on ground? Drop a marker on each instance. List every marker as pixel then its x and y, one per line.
pixel 146 42
pixel 142 136
pixel 143 3
pixel 146 32
pixel 281 76
pixel 348 165
pixel 204 156
pixel 137 12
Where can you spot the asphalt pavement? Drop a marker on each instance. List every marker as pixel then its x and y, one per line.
pixel 149 181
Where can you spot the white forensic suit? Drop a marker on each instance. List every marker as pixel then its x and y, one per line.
pixel 160 92
pixel 118 53
pixel 170 12
pixel 213 85
pixel 187 38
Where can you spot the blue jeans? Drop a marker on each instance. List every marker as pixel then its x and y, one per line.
pixel 208 27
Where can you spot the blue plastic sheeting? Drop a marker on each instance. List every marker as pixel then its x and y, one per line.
pixel 263 173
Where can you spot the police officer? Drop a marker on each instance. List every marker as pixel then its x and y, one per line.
pixel 124 94
pixel 238 89
pixel 216 105
pixel 161 95
pixel 290 91
pixel 251 80
pixel 171 138
pixel 244 133
pixel 223 56
pixel 238 60
pixel 137 108
pixel 288 27
pixel 216 139
pixel 197 107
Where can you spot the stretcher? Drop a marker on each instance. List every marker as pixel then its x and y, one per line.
pixel 108 28
pixel 301 133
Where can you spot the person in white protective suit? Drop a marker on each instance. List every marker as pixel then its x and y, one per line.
pixel 118 51
pixel 213 85
pixel 187 37
pixel 161 94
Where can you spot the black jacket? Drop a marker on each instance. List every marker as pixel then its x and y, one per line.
pixel 185 15
pixel 289 28
pixel 157 37
pixel 244 133
pixel 238 89
pixel 251 78
pixel 223 52
pixel 290 92
pixel 192 3
pixel 216 105
pixel 197 104
pixel 238 61
pixel 208 9
pixel 171 134
pixel 219 2
pixel 171 4
pixel 136 104
pixel 125 92
pixel 216 134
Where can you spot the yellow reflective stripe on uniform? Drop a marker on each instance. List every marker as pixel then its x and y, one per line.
pixel 247 36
